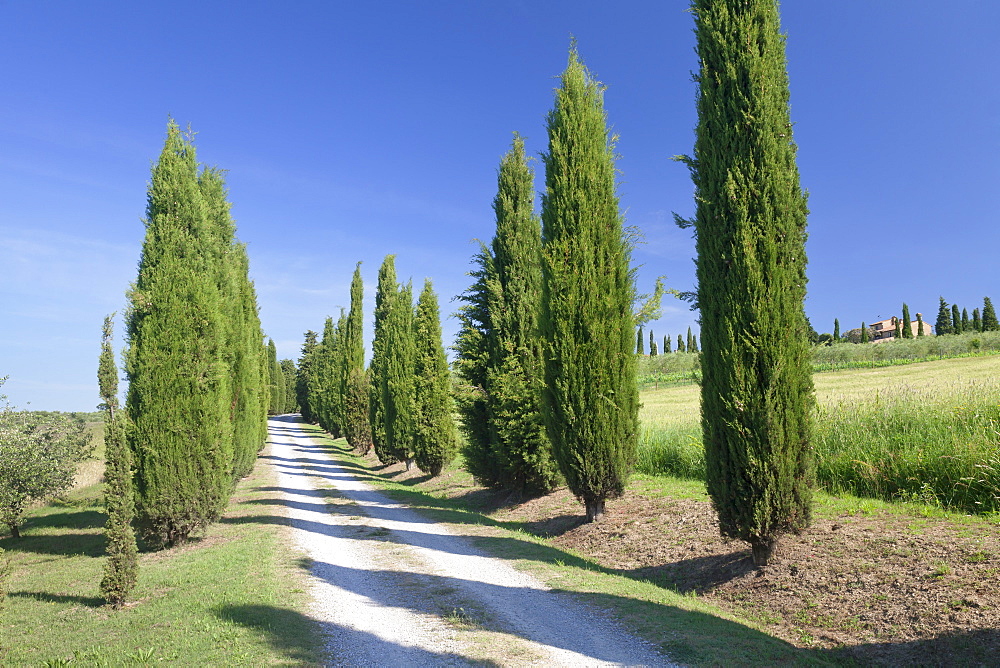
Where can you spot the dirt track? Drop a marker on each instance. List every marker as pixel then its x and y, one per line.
pixel 394 588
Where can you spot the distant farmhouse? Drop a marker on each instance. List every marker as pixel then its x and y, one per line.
pixel 885 330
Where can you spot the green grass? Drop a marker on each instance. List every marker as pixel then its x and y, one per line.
pixel 232 597
pixel 685 627
pixel 927 432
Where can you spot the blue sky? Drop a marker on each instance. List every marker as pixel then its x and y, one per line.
pixel 352 130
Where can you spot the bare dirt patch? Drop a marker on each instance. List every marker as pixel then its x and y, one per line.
pixel 881 588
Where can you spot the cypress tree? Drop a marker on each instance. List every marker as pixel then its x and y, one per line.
pixel 385 296
pixel 399 385
pixel 866 335
pixel 680 344
pixel 906 325
pixel 836 330
pixel 956 319
pixel 652 344
pixel 179 394
pixel 920 324
pixel 943 324
pixel 288 404
pixel 590 391
pixel 338 378
pixel 640 342
pixel 966 325
pixel 302 377
pixel 898 333
pixel 248 406
pixel 990 323
pixel 694 343
pixel 434 438
pixel 687 342
pixel 122 567
pixel 357 428
pixel 319 377
pixel 666 344
pixel 977 322
pixel 750 234
pixel 515 375
pixel 276 383
pixel 473 363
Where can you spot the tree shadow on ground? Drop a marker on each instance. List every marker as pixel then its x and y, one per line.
pixel 65 544
pixel 272 621
pixel 700 574
pixel 88 601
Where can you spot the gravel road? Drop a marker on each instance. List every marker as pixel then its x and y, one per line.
pixel 392 588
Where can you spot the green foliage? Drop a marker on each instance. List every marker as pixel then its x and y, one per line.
pixel 289 403
pixel 435 441
pixel 122 566
pixel 990 323
pixel 907 325
pixel 956 320
pixel 303 378
pixel 276 383
pixel 920 325
pixel 357 427
pixel 943 324
pixel 652 345
pixel 898 334
pixel 836 330
pixel 385 296
pixel 587 323
pixel 681 348
pixel 640 343
pixel 399 386
pixel 666 344
pixel 38 458
pixel 325 377
pixel 977 322
pixel 180 388
pixel 750 238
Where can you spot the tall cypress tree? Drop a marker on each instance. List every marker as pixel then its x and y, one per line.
pixel 956 319
pixel 319 375
pixel 122 567
pixel 399 388
pixel 977 322
pixel 750 230
pixel 179 396
pixel 966 325
pixel 689 344
pixel 866 333
pixel 666 344
pixel 836 330
pixel 305 369
pixel 990 323
pixel 907 327
pixel 898 334
pixel 435 441
pixel 640 342
pixel 355 398
pixel 288 370
pixel 590 393
pixel 920 324
pixel 943 324
pixel 277 380
pixel 680 344
pixel 385 296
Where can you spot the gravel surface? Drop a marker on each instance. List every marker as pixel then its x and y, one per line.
pixel 392 588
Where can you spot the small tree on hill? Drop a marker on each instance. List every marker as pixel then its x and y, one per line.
pixel 666 344
pixel 906 325
pixel 966 325
pixel 977 322
pixel 652 345
pixel 943 324
pixel 896 324
pixel 866 334
pixel 836 330
pixel 680 344
pixel 920 324
pixel 640 343
pixel 990 323
pixel 956 319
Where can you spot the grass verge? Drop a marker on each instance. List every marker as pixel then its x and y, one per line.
pixel 234 596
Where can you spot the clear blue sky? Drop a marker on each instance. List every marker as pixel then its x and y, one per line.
pixel 355 129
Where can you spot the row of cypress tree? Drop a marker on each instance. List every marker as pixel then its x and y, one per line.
pixel 950 321
pixel 689 344
pixel 197 366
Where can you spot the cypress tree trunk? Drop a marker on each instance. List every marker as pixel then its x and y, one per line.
pixel 385 295
pixel 587 324
pixel 750 230
pixel 434 437
pixel 179 396
pixel 122 567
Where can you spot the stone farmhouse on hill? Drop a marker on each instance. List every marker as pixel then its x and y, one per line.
pixel 885 330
